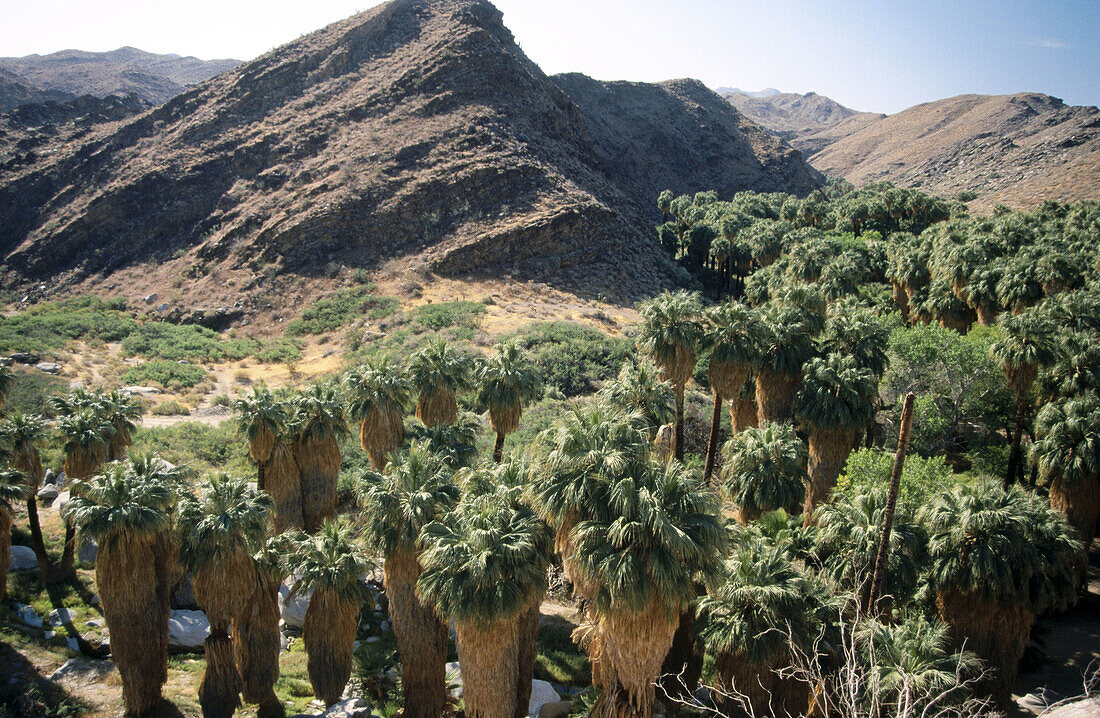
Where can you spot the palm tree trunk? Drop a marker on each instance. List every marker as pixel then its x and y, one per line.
pixel 220 689
pixel 5 551
pixel 45 566
pixel 260 466
pixel 775 396
pixel 67 567
pixel 829 451
pixel 1015 463
pixel 487 657
pixel 743 414
pixel 635 644
pixel 1080 502
pixel 319 462
pixel 283 479
pixel 421 638
pixel 329 637
pixel 683 664
pixel 526 651
pixel 680 423
pixel 715 430
pixel 498 449
pixel 891 501
pixel 256 645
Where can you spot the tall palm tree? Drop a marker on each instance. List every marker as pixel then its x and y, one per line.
pixel 332 565
pixel 13 488
pixel 219 531
pixel 7 380
pixel 833 405
pixel 266 421
pixel 86 442
pixel 761 607
pixel 1028 345
pixel 734 334
pixel 260 418
pixel 506 383
pixel 319 424
pixel 765 470
pixel 659 534
pixel 123 412
pixel 787 346
pixel 998 558
pixel 256 636
pixel 670 334
pixel 638 387
pixel 378 393
pixel 415 489
pixel 484 568
pixel 23 433
pixel 128 511
pixel 438 373
pixel 1067 452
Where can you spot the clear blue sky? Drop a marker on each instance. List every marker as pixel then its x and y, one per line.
pixel 879 55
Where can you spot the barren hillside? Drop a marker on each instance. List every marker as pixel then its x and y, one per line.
pixel 795 117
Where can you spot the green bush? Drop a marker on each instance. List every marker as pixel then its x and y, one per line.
pixel 162 340
pixel 169 374
pixel 340 309
pixel 170 408
pixel 920 478
pixel 31 392
pixel 572 357
pixel 49 325
pixel 199 446
pixel 450 314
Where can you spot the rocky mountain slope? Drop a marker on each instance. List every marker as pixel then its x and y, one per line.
pixel 416 131
pixel 16 91
pixel 794 117
pixel 1019 149
pixel 153 78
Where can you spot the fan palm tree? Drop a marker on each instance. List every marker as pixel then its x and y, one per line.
pixel 998 558
pixel 318 424
pixel 378 394
pixel 7 380
pixel 484 568
pixel 219 531
pixel 23 433
pixel 670 334
pixel 455 444
pixel 734 335
pixel 759 609
pixel 1028 345
pixel 260 418
pixel 414 490
pixel 438 373
pixel 257 638
pixel 86 441
pixel 833 405
pixel 765 470
pixel 332 566
pixel 639 388
pixel 1067 452
pixel 128 511
pixel 743 410
pixel 13 488
pixel 659 534
pixel 506 383
pixel 122 411
pixel 787 346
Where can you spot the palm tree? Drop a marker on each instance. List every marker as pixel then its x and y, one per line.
pixel 787 346
pixel 484 568
pixel 127 510
pixel 414 490
pixel 659 533
pixel 670 334
pixel 833 406
pixel 332 566
pixel 122 411
pixel 438 373
pixel 256 636
pixel 378 394
pixel 23 433
pixel 998 558
pixel 1067 452
pixel 743 410
pixel 1027 346
pixel 507 382
pixel 265 420
pixel 761 610
pixel 86 442
pixel 765 470
pixel 319 424
pixel 7 380
pixel 639 388
pixel 219 531
pixel 734 335
pixel 13 488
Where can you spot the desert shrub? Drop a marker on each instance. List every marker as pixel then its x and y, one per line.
pixel 31 392
pixel 170 408
pixel 169 374
pixel 49 325
pixel 340 309
pixel 162 340
pixel 920 477
pixel 198 446
pixel 450 314
pixel 572 357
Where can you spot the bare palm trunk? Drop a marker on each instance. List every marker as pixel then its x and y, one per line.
pixel 1015 463
pixel 680 423
pixel 45 565
pixel 421 638
pixel 891 501
pixel 260 467
pixel 715 430
pixel 67 566
pixel 498 449
pixel 526 651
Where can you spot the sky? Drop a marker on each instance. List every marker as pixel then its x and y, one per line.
pixel 873 55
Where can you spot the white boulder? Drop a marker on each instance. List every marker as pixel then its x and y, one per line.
pixel 80 668
pixel 293 608
pixel 47 492
pixel 541 694
pixel 22 559
pixel 87 552
pixel 60 616
pixel 187 629
pixel 348 708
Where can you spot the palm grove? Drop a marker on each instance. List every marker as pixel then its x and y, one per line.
pixel 812 318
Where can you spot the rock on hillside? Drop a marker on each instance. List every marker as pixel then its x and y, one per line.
pixel 127 70
pixel 416 130
pixel 793 116
pixel 16 91
pixel 1018 149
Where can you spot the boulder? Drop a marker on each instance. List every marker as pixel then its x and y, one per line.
pixel 183 596
pixel 48 367
pixel 61 500
pixel 1039 700
pixel 293 608
pixel 1085 708
pixel 47 493
pixel 6 361
pixel 454 679
pixel 26 357
pixel 149 298
pixel 73 644
pixel 542 693
pixel 48 477
pixel 60 616
pixel 557 709
pixel 22 559
pixel 27 615
pixel 82 669
pixel 187 629
pixel 349 708
pixel 140 390
pixel 87 552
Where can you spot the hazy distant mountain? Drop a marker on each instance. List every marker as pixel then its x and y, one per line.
pixel 795 117
pixel 766 92
pixel 16 91
pixel 127 70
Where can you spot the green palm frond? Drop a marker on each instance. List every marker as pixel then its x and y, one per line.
pixel 734 333
pixel 639 388
pixel 671 329
pixel 765 468
pixel 1029 344
pixel 13 489
pixel 329 560
pixel 455 444
pixel 318 413
pixel 377 386
pixel 439 367
pixel 130 497
pixel 259 412
pixel 1068 440
pixel 836 394
pixel 227 516
pixel 507 380
pixel 85 430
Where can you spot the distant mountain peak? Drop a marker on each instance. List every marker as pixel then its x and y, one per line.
pixel 766 92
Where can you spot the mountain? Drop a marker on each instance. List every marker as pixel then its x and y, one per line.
pixel 416 134
pixel 796 117
pixel 127 70
pixel 766 92
pixel 1018 149
pixel 16 91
